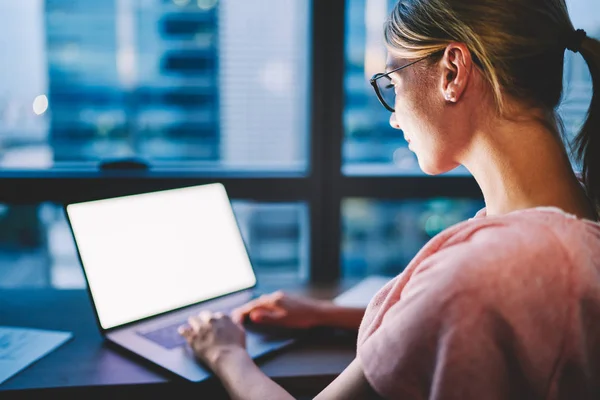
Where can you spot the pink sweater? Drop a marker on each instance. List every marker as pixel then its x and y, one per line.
pixel 502 307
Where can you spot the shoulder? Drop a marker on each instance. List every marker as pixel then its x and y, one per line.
pixel 525 257
pixel 484 292
pixel 484 234
pixel 538 233
pixel 494 253
pixel 510 266
pixel 518 235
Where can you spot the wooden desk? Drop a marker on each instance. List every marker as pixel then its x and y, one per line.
pixel 88 364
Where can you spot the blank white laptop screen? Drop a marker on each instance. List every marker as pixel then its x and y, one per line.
pixel 155 252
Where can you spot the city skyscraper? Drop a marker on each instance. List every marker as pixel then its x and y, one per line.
pixel 133 78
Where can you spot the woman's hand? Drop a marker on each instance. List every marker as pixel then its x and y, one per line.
pixel 282 309
pixel 212 335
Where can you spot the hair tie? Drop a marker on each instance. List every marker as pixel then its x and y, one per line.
pixel 575 40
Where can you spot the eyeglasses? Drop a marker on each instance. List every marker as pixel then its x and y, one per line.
pixel 384 89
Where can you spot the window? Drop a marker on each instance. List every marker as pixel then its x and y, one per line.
pixel 37 248
pixel 381 237
pixel 202 84
pixel 279 109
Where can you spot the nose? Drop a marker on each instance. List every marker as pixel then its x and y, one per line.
pixel 393 121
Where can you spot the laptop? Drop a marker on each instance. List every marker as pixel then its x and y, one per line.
pixel 152 260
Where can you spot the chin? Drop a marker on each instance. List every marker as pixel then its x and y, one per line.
pixel 431 167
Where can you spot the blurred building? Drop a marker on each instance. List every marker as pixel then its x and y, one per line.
pixel 381 237
pixel 133 78
pixel 264 58
pixel 23 77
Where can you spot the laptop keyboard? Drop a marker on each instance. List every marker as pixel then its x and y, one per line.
pixel 166 336
pixel 169 338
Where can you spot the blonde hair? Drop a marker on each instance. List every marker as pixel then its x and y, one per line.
pixel 518 45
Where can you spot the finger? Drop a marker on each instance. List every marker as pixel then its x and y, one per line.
pixel 267 316
pixel 185 331
pixel 218 315
pixel 277 298
pixel 265 300
pixel 239 324
pixel 251 304
pixel 257 310
pixel 238 314
pixel 195 323
pixel 205 316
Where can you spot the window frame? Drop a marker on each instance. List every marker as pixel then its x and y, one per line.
pixel 323 187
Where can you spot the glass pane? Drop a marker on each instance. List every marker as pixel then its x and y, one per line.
pixel 381 237
pixel 195 84
pixel 371 146
pixel 37 249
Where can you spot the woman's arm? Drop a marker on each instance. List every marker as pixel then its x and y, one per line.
pixel 220 343
pixel 341 317
pixel 244 380
pixel 282 309
pixel 350 384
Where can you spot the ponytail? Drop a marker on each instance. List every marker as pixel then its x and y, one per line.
pixel 587 142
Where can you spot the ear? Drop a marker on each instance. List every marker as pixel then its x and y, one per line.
pixel 456 71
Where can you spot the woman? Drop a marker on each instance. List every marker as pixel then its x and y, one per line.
pixel 507 304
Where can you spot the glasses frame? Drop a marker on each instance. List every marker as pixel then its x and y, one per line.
pixel 380 75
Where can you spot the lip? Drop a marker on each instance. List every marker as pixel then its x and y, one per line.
pixel 406 138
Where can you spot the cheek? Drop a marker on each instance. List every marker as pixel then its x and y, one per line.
pixel 437 150
pixel 417 119
pixel 416 107
pixel 422 115
pixel 423 124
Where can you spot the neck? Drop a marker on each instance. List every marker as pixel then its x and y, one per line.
pixel 521 165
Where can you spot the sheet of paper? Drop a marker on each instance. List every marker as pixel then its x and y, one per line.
pixel 19 347
pixel 361 294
